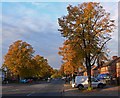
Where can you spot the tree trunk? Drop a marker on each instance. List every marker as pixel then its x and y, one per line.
pixel 18 77
pixel 88 66
pixel 89 72
pixel 89 76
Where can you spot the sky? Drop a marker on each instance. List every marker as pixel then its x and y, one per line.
pixel 37 24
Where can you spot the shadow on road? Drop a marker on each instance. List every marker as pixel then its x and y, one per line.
pixel 107 91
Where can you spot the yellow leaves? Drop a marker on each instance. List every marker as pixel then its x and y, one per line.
pixel 85 28
pixel 68 69
pixel 19 60
pixel 18 56
pixel 77 22
pixel 108 30
pixel 90 5
pixel 42 66
pixel 69 56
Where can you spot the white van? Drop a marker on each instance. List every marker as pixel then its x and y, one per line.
pixel 82 82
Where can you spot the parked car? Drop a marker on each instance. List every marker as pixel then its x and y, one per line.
pixel 29 80
pixel 82 82
pixel 104 77
pixel 26 80
pixel 23 81
pixel 63 78
pixel 48 80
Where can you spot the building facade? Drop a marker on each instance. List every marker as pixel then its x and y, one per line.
pixel 111 67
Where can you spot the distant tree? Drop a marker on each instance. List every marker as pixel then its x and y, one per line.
pixel 56 74
pixel 43 69
pixel 87 26
pixel 18 59
pixel 62 70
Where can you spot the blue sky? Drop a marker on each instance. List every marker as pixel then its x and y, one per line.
pixel 36 23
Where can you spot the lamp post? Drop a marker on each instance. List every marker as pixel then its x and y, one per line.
pixel 5 69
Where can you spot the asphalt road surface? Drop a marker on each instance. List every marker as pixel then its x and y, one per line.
pixel 54 88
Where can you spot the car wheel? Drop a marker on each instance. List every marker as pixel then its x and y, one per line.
pixel 80 87
pixel 100 85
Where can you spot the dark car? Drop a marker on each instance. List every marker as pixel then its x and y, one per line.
pixel 23 81
pixel 26 80
pixel 104 77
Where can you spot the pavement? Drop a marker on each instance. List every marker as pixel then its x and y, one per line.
pixel 107 91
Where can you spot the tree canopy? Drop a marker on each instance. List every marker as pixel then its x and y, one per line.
pixel 43 69
pixel 87 29
pixel 20 61
pixel 71 59
pixel 18 58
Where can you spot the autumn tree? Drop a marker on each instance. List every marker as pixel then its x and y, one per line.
pixel 71 61
pixel 43 69
pixel 18 59
pixel 87 26
pixel 61 70
pixel 56 74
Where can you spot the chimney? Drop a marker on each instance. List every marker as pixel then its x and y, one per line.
pixel 114 57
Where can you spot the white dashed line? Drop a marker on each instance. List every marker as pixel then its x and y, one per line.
pixel 30 94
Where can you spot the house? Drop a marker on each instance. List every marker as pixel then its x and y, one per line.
pixel 111 67
pixel 92 71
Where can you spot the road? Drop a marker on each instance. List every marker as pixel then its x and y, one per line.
pixel 54 88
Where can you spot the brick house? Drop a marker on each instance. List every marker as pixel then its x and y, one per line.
pixel 111 67
pixel 92 71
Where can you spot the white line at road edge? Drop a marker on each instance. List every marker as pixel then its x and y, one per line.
pixel 30 94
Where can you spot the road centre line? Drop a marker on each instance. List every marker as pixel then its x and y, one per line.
pixel 30 94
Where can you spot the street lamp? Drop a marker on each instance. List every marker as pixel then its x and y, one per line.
pixel 5 69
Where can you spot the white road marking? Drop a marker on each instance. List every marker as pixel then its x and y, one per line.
pixel 30 94
pixel 15 90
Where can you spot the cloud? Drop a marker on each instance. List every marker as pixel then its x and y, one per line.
pixel 36 23
pixel 33 27
pixel 56 59
pixel 113 43
pixel 41 4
